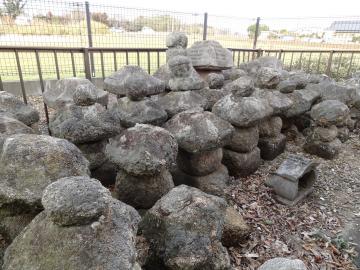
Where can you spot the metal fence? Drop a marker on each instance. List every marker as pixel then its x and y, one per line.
pixel 50 23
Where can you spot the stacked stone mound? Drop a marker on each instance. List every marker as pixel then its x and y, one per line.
pixel 86 123
pixel 61 94
pixel 143 154
pixel 184 229
pixel 28 164
pixel 82 227
pixel 241 155
pixel 330 119
pixel 200 136
pixel 133 87
pixel 15 115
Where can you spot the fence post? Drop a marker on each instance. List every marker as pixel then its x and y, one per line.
pixel 89 34
pixel 256 32
pixel 87 68
pixel 205 26
pixel 328 68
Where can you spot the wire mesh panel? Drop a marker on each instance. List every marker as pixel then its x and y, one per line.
pixel 335 33
pixel 232 32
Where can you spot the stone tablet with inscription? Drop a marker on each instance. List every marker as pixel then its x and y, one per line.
pixel 210 55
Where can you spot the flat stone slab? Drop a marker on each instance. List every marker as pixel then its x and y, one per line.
pixel 210 55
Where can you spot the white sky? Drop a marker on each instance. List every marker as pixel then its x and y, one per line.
pixel 249 8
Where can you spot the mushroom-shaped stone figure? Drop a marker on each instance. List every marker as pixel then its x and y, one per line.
pixel 185 228
pixel 62 93
pixel 144 154
pixel 136 107
pixel 183 75
pixel 201 136
pixel 82 227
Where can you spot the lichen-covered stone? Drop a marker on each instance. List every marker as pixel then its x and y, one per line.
pixel 82 124
pixel 94 152
pixel 143 111
pixel 324 134
pixel 215 80
pixel 326 150
pixel 76 200
pixel 142 192
pixel 212 96
pixel 133 82
pixel 85 95
pixel 233 73
pixel 278 101
pixel 330 112
pixel 244 139
pixel 242 112
pixel 183 76
pixel 242 164
pixel 62 93
pixel 268 77
pixel 198 131
pixel 199 164
pixel 287 86
pixel 270 127
pixel 108 242
pixel 302 101
pixel 163 73
pixel 10 126
pixel 241 87
pixel 172 52
pixel 185 228
pixel 236 231
pixel 283 264
pixel 15 108
pixel 271 147
pixel 253 66
pixel 143 150
pixel 176 102
pixel 176 39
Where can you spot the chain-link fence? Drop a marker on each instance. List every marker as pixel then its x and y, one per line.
pixel 50 23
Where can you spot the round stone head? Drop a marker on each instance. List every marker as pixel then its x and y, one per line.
pixel 85 95
pixel 180 66
pixel 176 39
pixel 77 200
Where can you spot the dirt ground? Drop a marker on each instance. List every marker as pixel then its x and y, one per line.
pixel 323 230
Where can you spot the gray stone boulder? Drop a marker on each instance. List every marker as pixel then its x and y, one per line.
pixel 302 102
pixel 210 55
pixel 29 163
pixel 133 82
pixel 287 86
pixel 212 96
pixel 300 78
pixel 324 134
pixel 242 87
pixel 270 127
pixel 233 73
pixel 345 93
pixel 236 231
pixel 94 152
pixel 85 95
pixel 176 102
pixel 176 51
pixel 271 147
pixel 326 150
pixel 13 107
pixel 330 112
pixel 176 39
pixel 343 134
pixel 214 183
pixel 106 237
pixel 62 93
pixel 183 76
pixel 143 150
pixel 82 124
pixel 242 164
pixel 268 77
pixel 142 192
pixel 283 264
pixel 10 126
pixel 278 101
pixel 200 164
pixel 253 67
pixel 199 131
pixel 242 112
pixel 163 73
pixel 244 139
pixel 144 111
pixel 184 228
pixel 215 80
pixel 75 200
